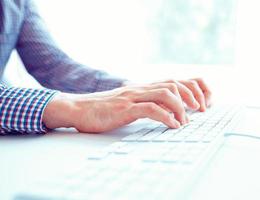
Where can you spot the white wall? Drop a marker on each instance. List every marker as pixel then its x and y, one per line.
pixel 122 36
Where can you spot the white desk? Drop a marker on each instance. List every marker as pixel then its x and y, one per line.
pixel 26 159
pixel 233 174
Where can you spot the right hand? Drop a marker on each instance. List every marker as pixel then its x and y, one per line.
pixel 104 111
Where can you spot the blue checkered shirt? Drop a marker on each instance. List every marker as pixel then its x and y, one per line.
pixel 21 109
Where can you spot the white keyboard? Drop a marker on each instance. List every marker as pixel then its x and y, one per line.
pixel 153 163
pixel 157 143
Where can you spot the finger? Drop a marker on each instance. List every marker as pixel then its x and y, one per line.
pixel 154 112
pixel 181 90
pixel 187 96
pixel 165 108
pixel 205 89
pixel 171 86
pixel 197 92
pixel 166 98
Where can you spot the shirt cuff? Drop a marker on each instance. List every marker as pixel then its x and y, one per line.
pixel 21 109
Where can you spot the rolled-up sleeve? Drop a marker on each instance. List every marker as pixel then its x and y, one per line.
pixel 51 66
pixel 21 109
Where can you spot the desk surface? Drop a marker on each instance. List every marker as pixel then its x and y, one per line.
pixel 233 174
pixel 31 158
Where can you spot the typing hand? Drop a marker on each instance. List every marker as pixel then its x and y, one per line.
pixel 193 88
pixel 104 111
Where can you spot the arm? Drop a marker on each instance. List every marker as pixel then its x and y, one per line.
pixel 52 67
pixel 104 111
pixel 32 111
pixel 21 110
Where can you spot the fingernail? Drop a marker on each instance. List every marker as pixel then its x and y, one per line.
pixel 203 108
pixel 175 123
pixel 196 104
pixel 178 125
pixel 183 121
pixel 187 119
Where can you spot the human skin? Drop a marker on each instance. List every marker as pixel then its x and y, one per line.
pixel 104 111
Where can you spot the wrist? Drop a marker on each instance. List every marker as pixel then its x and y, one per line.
pixel 60 112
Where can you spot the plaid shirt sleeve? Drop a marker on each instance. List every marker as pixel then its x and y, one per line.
pixel 21 109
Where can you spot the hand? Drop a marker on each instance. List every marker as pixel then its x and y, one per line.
pixel 104 111
pixel 194 92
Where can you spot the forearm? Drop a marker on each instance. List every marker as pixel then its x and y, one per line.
pixel 70 77
pixel 54 69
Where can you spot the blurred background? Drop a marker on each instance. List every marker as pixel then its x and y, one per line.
pixel 144 31
pixel 133 38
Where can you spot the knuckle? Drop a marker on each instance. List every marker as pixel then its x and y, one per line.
pixel 173 87
pixel 165 92
pixel 172 81
pixel 199 96
pixel 199 79
pixel 209 93
pixel 169 81
pixel 193 83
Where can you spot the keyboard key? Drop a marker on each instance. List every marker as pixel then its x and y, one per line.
pixel 135 136
pixel 152 134
pixel 98 155
pixel 165 135
pixel 177 138
pixel 126 149
pixel 194 138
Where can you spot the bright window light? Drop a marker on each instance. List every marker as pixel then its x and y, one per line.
pixel 134 32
